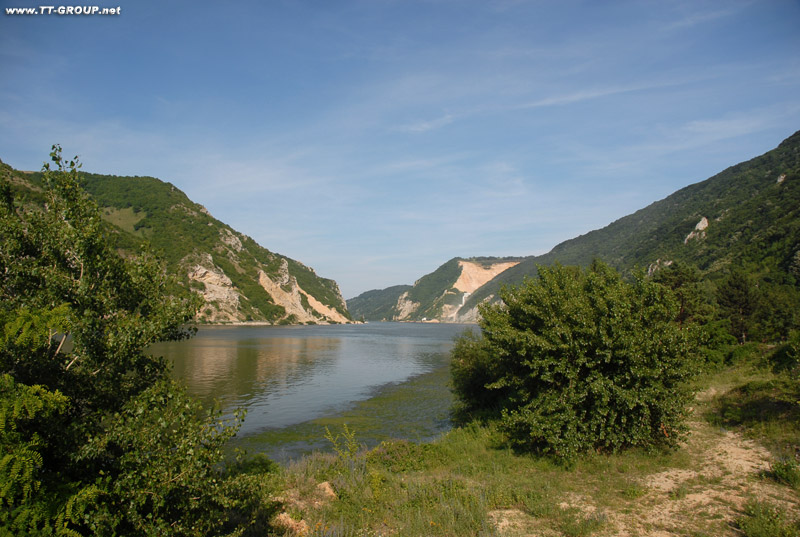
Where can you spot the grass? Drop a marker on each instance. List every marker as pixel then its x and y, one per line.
pixel 468 483
pixel 762 519
pixel 125 218
pixel 451 486
pixel 761 400
pixel 786 470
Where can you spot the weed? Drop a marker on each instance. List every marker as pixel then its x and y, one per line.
pixel 764 520
pixel 680 492
pixel 573 524
pixel 348 447
pixel 786 470
pixel 634 491
pixel 400 455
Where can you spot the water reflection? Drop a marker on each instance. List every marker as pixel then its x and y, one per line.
pixel 288 375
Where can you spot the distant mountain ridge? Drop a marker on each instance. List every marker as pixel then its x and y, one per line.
pixel 748 214
pixel 436 296
pixel 238 279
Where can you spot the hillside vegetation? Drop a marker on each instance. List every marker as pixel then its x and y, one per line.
pixel 653 394
pixel 238 279
pixel 752 216
pixel 746 218
pixel 436 296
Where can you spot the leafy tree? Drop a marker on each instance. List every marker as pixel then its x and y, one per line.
pixel 580 360
pixel 739 300
pixel 96 439
pixel 684 280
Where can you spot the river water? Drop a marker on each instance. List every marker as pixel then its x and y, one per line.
pixel 385 380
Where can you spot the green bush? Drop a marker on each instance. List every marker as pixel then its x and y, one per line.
pixel 95 439
pixel 580 360
pixel 786 358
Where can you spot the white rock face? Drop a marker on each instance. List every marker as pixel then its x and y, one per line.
pixel 405 307
pixel 221 299
pixel 471 315
pixel 699 231
pixel 230 239
pixel 285 291
pixel 654 267
pixel 474 275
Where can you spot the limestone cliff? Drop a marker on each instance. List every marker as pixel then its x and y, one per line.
pixel 436 297
pixel 238 279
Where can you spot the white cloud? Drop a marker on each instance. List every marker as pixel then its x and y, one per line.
pixel 425 126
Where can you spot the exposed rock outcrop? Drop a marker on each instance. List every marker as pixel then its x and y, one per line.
pixel 405 307
pixel 474 275
pixel 699 231
pixel 221 299
pixel 300 306
pixel 448 304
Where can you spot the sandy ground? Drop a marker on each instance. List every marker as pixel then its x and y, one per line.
pixel 706 499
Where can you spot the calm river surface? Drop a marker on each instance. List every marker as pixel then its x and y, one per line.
pixel 385 380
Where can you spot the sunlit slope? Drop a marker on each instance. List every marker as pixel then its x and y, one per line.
pixel 748 214
pixel 239 279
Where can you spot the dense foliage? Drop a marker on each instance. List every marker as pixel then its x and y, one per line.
pixel 377 304
pixel 96 440
pixel 183 234
pixel 753 215
pixel 580 360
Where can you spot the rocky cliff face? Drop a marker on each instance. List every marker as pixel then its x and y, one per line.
pixel 473 277
pixel 300 306
pixel 405 308
pixel 436 297
pixel 238 279
pixel 221 300
pixel 225 302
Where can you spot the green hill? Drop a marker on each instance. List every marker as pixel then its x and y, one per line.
pixel 378 304
pixel 239 279
pixel 752 211
pixel 435 296
pixel 746 217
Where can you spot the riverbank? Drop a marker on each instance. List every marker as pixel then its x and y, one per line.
pixel 721 482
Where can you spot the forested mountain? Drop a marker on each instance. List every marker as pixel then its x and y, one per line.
pixel 436 296
pixel 747 218
pixel 378 304
pixel 239 279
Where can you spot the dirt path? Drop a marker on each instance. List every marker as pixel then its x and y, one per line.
pixel 706 498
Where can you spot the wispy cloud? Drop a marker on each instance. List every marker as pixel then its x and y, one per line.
pixel 699 16
pixel 596 93
pixel 429 125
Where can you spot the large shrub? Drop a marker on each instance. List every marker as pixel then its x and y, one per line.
pixel 579 360
pixel 95 439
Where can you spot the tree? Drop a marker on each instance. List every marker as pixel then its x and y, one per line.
pixel 739 301
pixel 684 281
pixel 580 360
pixel 96 439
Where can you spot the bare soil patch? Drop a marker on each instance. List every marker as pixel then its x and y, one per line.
pixel 705 498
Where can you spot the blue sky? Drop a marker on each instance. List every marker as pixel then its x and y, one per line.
pixel 374 140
